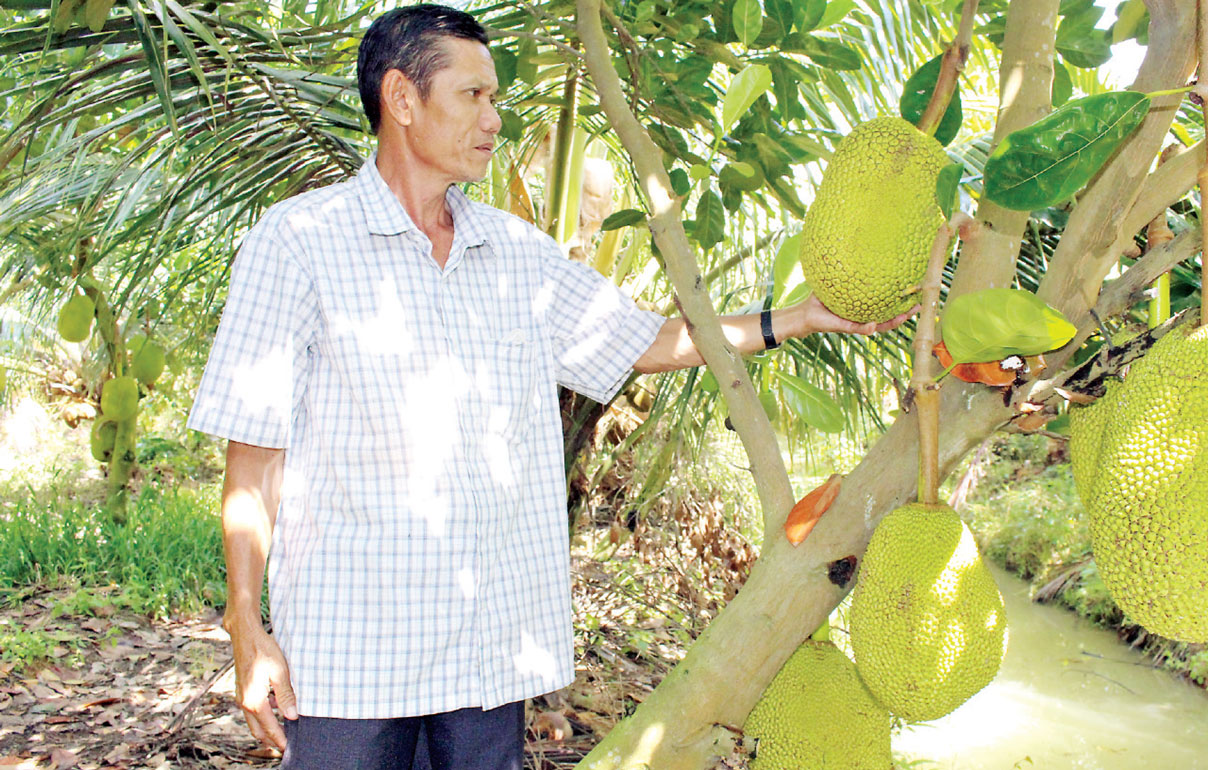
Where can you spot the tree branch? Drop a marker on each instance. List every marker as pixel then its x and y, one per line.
pixel 1025 96
pixel 1085 254
pixel 666 225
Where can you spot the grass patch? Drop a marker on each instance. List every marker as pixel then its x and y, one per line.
pixel 166 558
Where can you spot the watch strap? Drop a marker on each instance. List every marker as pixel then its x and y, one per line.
pixel 765 326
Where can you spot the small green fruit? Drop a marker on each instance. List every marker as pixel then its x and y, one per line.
pixel 148 363
pixel 102 439
pixel 119 398
pixel 75 318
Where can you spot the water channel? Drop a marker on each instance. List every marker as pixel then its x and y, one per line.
pixel 1068 697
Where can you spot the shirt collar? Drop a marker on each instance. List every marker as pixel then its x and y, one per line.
pixel 384 215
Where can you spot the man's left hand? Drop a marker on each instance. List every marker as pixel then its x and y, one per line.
pixel 817 317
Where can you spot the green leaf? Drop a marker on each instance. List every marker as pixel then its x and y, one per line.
pixel 807 14
pixel 835 11
pixel 1079 42
pixel 788 256
pixel 624 218
pixel 1050 160
pixel 1132 19
pixel 741 176
pixel 512 126
pixel 1063 85
pixel 811 404
pixel 825 52
pixel 680 183
pixel 96 12
pixel 748 21
pixel 991 324
pixel 699 172
pixel 947 188
pixel 747 86
pixel 505 67
pixel 917 94
pixel 710 227
pixel 781 12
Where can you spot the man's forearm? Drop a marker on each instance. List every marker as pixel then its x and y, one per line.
pixel 250 494
pixel 673 347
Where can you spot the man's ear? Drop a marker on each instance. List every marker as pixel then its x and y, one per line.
pixel 397 96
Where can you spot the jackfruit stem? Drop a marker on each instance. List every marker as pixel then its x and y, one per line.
pixel 1158 234
pixel 925 388
pixel 953 64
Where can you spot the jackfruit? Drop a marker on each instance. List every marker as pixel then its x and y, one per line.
pixel 119 398
pixel 868 234
pixel 75 318
pixel 1141 462
pixel 816 714
pixel 147 360
pixel 928 627
pixel 102 439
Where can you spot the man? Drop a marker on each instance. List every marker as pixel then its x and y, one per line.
pixel 386 373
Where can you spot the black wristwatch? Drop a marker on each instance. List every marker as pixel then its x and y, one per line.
pixel 765 326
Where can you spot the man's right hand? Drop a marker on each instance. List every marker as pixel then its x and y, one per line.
pixel 261 670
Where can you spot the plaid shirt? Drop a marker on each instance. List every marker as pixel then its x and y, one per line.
pixel 419 561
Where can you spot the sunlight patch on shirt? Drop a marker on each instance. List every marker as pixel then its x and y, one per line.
pixel 258 386
pixel 603 307
pixel 428 416
pixel 465 581
pixel 535 659
pixel 383 333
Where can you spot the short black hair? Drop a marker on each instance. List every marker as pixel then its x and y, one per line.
pixel 408 39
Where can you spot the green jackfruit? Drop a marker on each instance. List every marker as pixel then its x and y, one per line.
pixel 816 714
pixel 928 627
pixel 75 318
pixel 102 439
pixel 868 234
pixel 147 361
pixel 119 398
pixel 1141 466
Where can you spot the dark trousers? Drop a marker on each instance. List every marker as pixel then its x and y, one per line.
pixel 466 739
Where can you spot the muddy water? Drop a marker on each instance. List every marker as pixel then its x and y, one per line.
pixel 1068 696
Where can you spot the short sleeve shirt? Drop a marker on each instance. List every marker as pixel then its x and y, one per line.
pixel 420 557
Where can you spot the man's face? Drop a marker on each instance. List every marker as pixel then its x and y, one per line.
pixel 454 130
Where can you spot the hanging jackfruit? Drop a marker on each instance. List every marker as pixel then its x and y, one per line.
pixel 1140 457
pixel 119 398
pixel 868 234
pixel 75 318
pixel 102 439
pixel 146 360
pixel 816 714
pixel 928 627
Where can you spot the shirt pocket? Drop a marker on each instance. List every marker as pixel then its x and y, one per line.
pixel 512 386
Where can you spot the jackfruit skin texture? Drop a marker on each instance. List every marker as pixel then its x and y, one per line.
pixel 868 234
pixel 74 323
pixel 119 398
pixel 1086 436
pixel 816 714
pixel 1146 492
pixel 928 627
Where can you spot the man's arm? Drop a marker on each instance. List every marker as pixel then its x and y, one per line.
pixel 673 348
pixel 250 494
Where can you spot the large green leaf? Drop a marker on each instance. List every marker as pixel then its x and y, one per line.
pixel 710 225
pixel 991 324
pixel 747 86
pixel 824 52
pixel 811 404
pixel 1050 160
pixel 748 21
pixel 807 14
pixel 916 95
